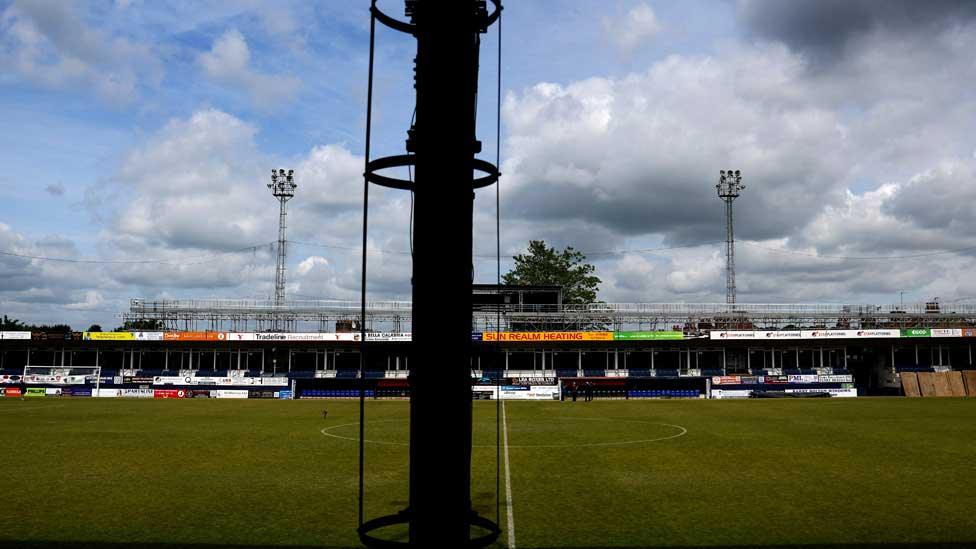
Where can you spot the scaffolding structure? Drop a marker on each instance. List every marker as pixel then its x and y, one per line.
pixel 395 316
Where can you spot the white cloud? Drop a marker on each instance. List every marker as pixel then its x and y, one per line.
pixel 630 31
pixel 50 43
pixel 229 63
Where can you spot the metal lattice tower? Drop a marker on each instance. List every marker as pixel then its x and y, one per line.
pixel 283 188
pixel 729 186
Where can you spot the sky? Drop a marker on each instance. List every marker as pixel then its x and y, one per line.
pixel 138 137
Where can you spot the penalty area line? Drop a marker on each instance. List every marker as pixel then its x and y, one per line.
pixel 510 513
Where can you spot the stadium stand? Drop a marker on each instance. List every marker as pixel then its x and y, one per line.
pixel 639 372
pixel 566 372
pixel 594 373
pixel 663 372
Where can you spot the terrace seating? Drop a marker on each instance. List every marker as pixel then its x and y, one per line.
pixel 639 372
pixel 335 393
pixel 663 393
pixel 666 372
pixel 567 372
pixel 588 372
pixel 347 374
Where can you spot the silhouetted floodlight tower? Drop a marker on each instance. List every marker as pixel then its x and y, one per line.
pixel 729 186
pixel 283 188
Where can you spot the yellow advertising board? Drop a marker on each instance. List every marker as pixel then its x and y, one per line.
pixel 547 336
pixel 109 336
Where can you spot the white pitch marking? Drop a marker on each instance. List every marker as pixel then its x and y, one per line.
pixel 508 484
pixel 681 432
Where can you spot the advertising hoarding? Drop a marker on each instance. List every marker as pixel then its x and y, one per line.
pixel 547 336
pixel 194 336
pixel 169 393
pixel 648 336
pixel 108 336
pixel 229 393
pixel 15 335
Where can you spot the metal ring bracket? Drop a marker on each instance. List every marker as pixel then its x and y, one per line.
pixel 403 517
pixel 411 29
pixel 402 160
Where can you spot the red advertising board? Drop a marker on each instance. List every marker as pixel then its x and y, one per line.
pixel 12 392
pixel 169 393
pixel 194 336
pixel 725 380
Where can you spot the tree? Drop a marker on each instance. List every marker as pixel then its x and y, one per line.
pixel 544 266
pixel 95 328
pixel 14 325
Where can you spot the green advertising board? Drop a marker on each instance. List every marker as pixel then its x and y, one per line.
pixel 36 391
pixel 647 336
pixel 916 332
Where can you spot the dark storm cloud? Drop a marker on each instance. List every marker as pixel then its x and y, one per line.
pixel 823 28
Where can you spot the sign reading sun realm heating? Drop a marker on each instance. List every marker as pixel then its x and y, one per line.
pixel 547 336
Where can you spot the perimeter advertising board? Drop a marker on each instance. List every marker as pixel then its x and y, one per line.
pixel 293 336
pixel 15 335
pixel 517 392
pixel 648 336
pixel 108 336
pixel 916 332
pixel 805 334
pixel 170 393
pixel 228 393
pixel 547 336
pixel 34 392
pixel 194 336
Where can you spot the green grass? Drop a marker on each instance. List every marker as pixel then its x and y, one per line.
pixel 261 472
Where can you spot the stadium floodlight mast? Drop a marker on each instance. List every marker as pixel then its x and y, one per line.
pixel 729 187
pixel 283 188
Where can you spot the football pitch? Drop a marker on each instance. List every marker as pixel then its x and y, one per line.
pixel 606 473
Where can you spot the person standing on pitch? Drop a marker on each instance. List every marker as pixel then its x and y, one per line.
pixel 573 391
